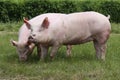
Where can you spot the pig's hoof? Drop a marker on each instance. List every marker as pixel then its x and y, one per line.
pixel 68 56
pixel 42 60
pixel 51 58
pixel 103 58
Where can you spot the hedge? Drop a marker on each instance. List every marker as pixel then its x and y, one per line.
pixel 15 12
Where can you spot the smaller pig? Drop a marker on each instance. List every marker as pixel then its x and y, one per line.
pixel 24 47
pixel 55 30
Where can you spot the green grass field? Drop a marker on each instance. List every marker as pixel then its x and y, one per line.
pixel 82 65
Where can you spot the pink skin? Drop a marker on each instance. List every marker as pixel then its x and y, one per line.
pixel 24 47
pixel 23 50
pixel 41 48
pixel 56 29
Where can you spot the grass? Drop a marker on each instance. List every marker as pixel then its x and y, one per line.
pixel 10 26
pixel 82 65
pixel 115 28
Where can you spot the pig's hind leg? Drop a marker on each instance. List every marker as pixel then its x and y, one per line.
pixel 68 51
pixel 100 50
pixel 100 44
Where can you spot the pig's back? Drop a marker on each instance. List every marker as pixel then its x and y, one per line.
pixel 24 32
pixel 87 21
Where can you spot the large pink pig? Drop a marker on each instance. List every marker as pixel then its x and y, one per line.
pixel 55 29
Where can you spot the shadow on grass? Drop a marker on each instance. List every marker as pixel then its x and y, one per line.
pixel 13 58
pixel 60 56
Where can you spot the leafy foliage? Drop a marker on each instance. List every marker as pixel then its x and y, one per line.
pixel 10 11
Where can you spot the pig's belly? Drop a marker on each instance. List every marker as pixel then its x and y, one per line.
pixel 78 41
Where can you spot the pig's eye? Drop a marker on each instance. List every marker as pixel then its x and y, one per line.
pixel 31 30
pixel 33 35
pixel 39 30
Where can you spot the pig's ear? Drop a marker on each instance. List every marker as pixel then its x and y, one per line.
pixel 14 43
pixel 45 23
pixel 30 45
pixel 27 23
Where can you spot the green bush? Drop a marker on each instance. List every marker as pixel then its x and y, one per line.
pixel 34 8
pixel 3 12
pixel 10 11
pixel 87 5
pixel 63 7
pixel 112 8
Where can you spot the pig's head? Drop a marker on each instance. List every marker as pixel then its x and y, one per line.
pixel 39 33
pixel 23 49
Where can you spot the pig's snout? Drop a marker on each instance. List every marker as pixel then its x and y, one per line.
pixel 31 38
pixel 23 58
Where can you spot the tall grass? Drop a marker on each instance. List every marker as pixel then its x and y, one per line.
pixel 82 65
pixel 115 28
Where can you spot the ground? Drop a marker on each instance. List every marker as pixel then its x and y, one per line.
pixel 82 65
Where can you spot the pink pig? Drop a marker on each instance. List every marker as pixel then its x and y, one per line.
pixel 25 47
pixel 55 29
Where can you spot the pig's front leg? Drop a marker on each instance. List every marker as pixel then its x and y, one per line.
pixel 44 51
pixel 54 51
pixel 38 50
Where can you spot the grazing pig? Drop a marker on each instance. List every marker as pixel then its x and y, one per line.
pixel 25 47
pixel 55 29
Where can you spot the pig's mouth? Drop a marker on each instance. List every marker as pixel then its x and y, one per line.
pixel 31 39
